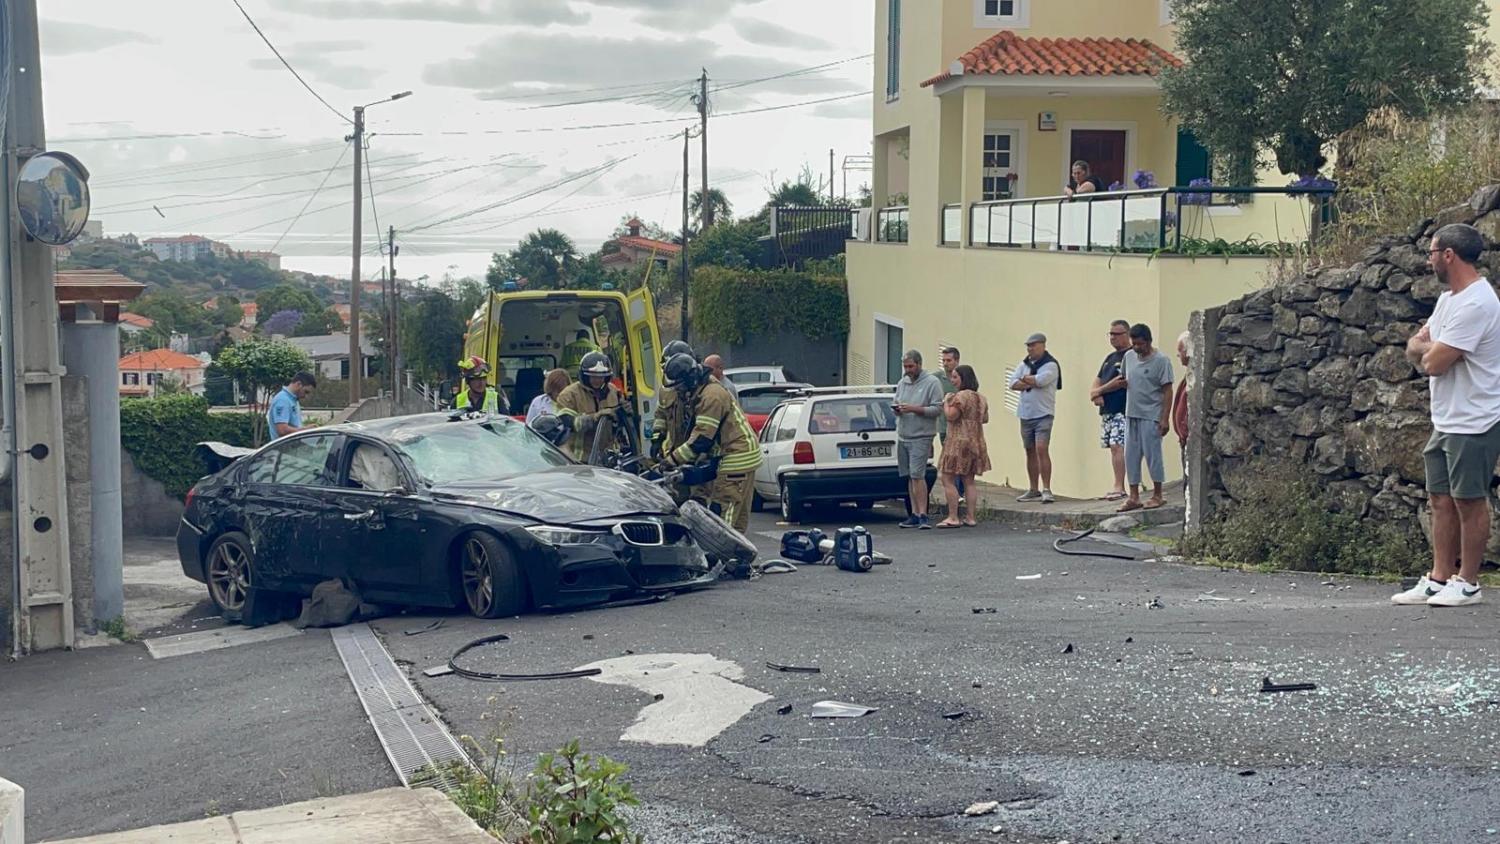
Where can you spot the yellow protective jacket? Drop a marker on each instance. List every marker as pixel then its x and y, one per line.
pixel 718 417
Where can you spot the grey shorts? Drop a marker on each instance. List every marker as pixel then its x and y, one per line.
pixel 1462 465
pixel 912 457
pixel 1035 431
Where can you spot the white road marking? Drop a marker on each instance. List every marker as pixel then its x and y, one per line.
pixel 213 640
pixel 700 695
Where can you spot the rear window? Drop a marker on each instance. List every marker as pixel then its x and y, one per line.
pixel 761 402
pixel 852 416
pixel 752 377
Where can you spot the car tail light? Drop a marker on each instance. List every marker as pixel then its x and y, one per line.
pixel 802 453
pixel 188 502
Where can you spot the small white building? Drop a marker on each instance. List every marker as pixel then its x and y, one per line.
pixel 330 354
pixel 143 374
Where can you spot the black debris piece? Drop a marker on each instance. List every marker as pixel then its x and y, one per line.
pixel 955 715
pixel 765 738
pixel 420 630
pixel 1247 773
pixel 658 696
pixel 487 676
pixel 784 710
pixel 978 685
pixel 588 637
pixel 1266 686
pixel 985 610
pixel 794 669
pixel 1129 639
pixel 1156 604
pixel 1068 649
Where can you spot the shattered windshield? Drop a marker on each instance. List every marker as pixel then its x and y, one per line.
pixel 463 452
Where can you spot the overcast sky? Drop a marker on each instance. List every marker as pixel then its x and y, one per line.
pixel 249 145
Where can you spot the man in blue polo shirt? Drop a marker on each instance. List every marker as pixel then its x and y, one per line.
pixel 285 414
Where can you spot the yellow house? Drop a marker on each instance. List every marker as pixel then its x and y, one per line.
pixel 980 107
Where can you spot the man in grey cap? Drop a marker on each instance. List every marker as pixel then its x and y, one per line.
pixel 1037 379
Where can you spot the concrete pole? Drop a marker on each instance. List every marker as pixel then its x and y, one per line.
pixel 355 356
pixel 707 211
pixel 90 349
pixel 44 619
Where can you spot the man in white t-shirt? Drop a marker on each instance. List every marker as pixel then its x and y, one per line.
pixel 1459 349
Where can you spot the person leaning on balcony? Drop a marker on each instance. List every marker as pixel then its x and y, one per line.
pixel 1083 181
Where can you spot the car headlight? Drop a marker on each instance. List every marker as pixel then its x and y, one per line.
pixel 553 535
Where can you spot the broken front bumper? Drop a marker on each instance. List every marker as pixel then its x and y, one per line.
pixel 613 567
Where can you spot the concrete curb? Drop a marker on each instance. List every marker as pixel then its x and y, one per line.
pixel 12 813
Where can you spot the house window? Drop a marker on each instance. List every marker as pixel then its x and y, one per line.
pixel 989 13
pixel 999 165
pixel 890 336
pixel 892 50
pixel 153 378
pixel 130 379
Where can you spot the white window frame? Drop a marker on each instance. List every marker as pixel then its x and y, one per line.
pixel 879 348
pixel 1017 128
pixel 1020 19
pixel 1129 127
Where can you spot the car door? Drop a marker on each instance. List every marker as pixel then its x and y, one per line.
pixel 380 533
pixel 283 500
pixel 645 355
pixel 777 451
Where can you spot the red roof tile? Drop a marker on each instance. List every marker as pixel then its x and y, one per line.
pixel 1008 54
pixel 159 360
pixel 136 320
pixel 647 244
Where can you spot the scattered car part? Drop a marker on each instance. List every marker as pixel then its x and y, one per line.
pixel 987 808
pixel 784 710
pixel 1068 649
pixel 765 738
pixel 1028 577
pixel 1057 545
pixel 1156 604
pixel 420 630
pixel 716 536
pixel 838 709
pixel 955 715
pixel 486 676
pixel 438 671
pixel 794 669
pixel 776 567
pixel 1266 686
pixel 984 610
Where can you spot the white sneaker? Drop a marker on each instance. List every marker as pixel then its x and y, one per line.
pixel 1458 593
pixel 1047 497
pixel 1417 595
pixel 1030 495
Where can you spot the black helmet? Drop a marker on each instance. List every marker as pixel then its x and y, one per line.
pixel 550 428
pixel 596 364
pixel 674 348
pixel 682 372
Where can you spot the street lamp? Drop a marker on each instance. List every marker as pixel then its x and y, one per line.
pixel 356 354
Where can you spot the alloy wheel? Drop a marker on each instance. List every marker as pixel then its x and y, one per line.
pixel 229 576
pixel 479 582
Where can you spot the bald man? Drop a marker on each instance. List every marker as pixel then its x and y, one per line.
pixel 715 365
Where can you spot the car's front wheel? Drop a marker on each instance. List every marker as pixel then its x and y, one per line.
pixel 492 583
pixel 230 574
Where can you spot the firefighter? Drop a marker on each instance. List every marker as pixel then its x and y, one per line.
pixel 669 428
pixel 581 347
pixel 480 397
pixel 720 435
pixel 587 401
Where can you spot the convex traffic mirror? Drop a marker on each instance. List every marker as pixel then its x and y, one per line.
pixel 52 195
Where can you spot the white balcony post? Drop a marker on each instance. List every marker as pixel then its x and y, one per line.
pixel 971 187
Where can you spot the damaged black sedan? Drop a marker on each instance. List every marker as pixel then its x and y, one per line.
pixel 433 511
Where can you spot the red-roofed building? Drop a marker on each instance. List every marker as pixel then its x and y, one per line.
pixel 635 249
pixel 142 373
pixel 249 312
pixel 133 323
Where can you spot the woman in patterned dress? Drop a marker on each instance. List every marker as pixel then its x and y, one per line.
pixel 965 454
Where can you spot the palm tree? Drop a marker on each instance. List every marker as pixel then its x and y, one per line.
pixel 718 205
pixel 546 258
pixel 798 193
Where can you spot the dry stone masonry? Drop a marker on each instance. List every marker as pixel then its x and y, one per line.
pixel 1314 371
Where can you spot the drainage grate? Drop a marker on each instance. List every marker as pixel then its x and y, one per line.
pixel 413 737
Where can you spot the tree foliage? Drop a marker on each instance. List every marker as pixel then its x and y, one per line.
pixel 286 297
pixel 733 244
pixel 432 334
pixel 546 259
pixel 717 201
pixel 1292 76
pixel 261 366
pixel 162 434
pixel 174 314
pixel 730 304
pixel 282 322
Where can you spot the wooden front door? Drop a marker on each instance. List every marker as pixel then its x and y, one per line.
pixel 1104 150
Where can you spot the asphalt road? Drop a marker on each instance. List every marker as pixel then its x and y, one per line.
pixel 1152 729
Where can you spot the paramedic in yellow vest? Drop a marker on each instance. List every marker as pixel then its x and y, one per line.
pixel 719 433
pixel 574 353
pixel 587 401
pixel 479 397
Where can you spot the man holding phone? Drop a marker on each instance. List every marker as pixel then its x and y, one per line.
pixel 917 404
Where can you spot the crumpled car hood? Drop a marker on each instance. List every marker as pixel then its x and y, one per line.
pixel 566 495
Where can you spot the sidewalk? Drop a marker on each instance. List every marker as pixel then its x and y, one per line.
pixel 389 816
pixel 998 504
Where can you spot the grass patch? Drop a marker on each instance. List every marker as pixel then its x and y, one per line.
pixel 115 628
pixel 1284 522
pixel 569 797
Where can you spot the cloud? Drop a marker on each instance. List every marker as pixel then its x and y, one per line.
pixel 768 34
pixel 857 108
pixel 66 38
pixel 496 12
pixel 317 66
pixel 675 15
pixel 531 62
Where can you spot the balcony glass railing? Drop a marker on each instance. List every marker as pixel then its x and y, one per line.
pixel 1119 221
pixel 892 224
pixel 953 224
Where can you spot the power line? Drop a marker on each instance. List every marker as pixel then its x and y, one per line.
pixel 288 65
pixel 211 198
pixel 316 191
pixel 165 135
pixel 227 162
pixel 370 181
pixel 525 195
pixel 789 74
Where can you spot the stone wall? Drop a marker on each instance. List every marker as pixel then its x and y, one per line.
pixel 148 510
pixel 1314 371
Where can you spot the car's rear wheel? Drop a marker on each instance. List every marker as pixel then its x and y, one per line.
pixel 791 503
pixel 492 583
pixel 230 574
pixel 757 503
pixel 864 504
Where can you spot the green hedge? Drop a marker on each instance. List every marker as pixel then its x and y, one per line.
pixel 160 434
pixel 730 304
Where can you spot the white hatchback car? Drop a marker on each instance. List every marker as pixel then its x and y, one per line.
pixel 746 376
pixel 829 446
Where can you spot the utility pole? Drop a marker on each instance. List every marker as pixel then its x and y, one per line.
pixel 355 356
pixel 708 208
pixel 43 591
pixel 830 175
pixel 686 134
pixel 393 334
